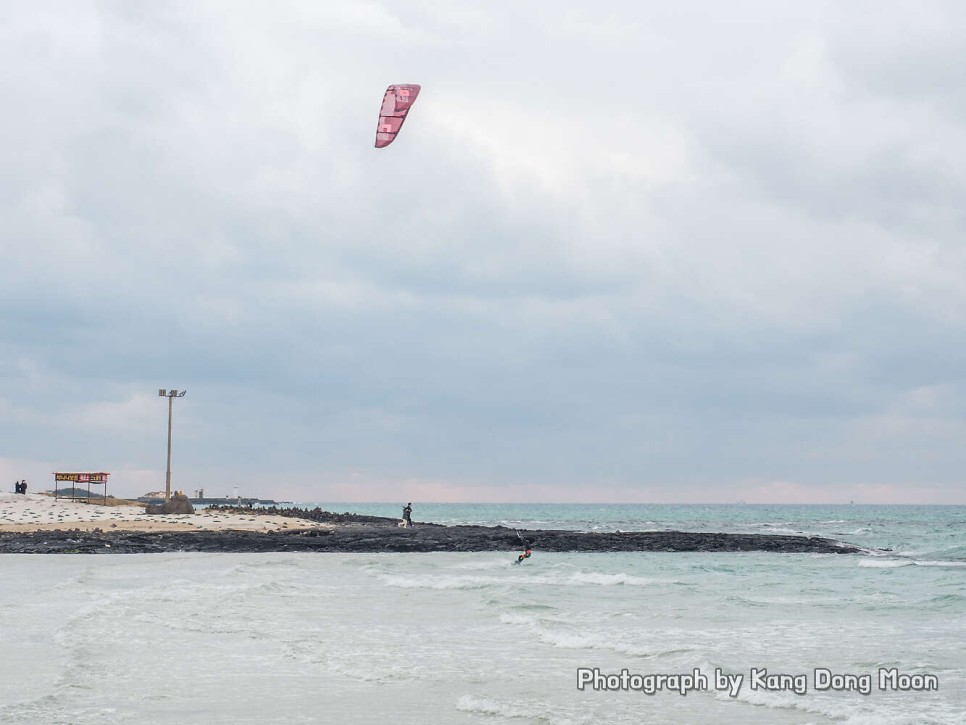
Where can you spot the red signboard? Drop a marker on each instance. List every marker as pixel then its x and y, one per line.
pixel 82 477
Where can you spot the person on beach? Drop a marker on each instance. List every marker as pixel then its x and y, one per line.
pixel 23 487
pixel 408 514
pixel 16 486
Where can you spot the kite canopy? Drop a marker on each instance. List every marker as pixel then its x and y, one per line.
pixel 395 105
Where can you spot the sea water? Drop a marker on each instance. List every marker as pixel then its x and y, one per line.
pixel 876 637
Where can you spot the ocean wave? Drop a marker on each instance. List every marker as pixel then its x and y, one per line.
pixel 947 553
pixel 738 599
pixel 790 701
pixel 571 640
pixel 851 711
pixel 944 600
pixel 893 563
pixel 549 630
pixel 532 711
pixel 884 563
pixel 482 565
pixel 256 563
pixel 515 618
pixel 439 583
pixel 562 639
pixel 511 578
pixel 534 606
pixel 608 580
pixel 783 531
pixel 369 673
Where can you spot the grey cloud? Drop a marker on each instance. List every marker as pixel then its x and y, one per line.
pixel 524 295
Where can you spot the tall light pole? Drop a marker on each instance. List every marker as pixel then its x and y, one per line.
pixel 170 395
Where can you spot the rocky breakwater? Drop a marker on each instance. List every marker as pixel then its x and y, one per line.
pixel 371 534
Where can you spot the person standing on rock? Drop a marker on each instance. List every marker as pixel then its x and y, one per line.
pixel 408 514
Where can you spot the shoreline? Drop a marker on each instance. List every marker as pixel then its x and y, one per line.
pixel 36 524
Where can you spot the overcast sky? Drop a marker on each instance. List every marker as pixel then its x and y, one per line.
pixel 629 251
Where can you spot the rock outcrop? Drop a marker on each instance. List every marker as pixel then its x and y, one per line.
pixel 177 504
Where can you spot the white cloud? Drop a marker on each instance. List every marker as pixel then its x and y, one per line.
pixel 648 250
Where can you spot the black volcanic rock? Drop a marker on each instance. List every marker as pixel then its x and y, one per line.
pixel 374 534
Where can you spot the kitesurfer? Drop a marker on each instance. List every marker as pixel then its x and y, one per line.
pixel 527 552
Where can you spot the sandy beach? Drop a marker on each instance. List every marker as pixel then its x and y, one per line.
pixel 23 513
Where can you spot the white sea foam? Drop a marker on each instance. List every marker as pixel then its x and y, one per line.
pixel 846 707
pixel 884 563
pixel 439 582
pixel 608 580
pixel 482 564
pixel 468 638
pixel 782 530
pixel 532 712
pixel 516 618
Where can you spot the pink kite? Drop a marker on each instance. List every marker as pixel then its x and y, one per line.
pixel 395 105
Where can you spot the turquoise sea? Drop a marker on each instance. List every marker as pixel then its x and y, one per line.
pixel 914 531
pixel 876 637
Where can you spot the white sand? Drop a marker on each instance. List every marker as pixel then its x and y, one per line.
pixel 39 512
